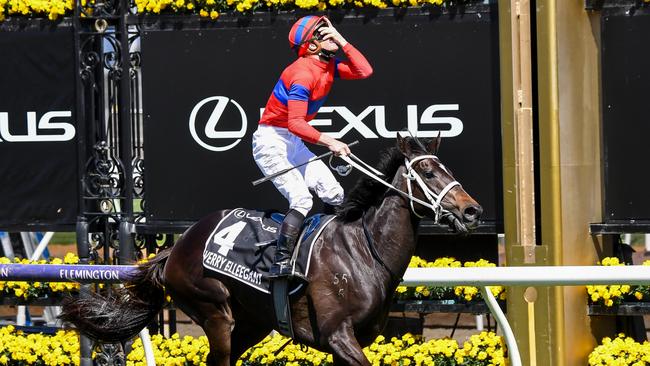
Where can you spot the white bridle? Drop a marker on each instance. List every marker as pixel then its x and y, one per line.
pixel 435 200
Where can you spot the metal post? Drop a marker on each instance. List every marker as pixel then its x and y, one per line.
pixel 8 249
pixel 127 250
pixel 83 251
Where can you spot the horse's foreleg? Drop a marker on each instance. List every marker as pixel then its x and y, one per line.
pixel 244 336
pixel 345 347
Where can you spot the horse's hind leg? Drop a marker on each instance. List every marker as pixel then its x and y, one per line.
pixel 218 328
pixel 345 347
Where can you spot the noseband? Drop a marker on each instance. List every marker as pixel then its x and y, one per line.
pixel 435 200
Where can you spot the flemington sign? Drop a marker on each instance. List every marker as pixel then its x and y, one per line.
pixel 65 273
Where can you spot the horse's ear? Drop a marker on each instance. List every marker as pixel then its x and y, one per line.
pixel 434 145
pixel 403 145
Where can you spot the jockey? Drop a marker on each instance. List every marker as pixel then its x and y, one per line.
pixel 295 100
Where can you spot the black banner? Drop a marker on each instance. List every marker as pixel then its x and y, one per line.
pixel 38 153
pixel 626 125
pixel 431 73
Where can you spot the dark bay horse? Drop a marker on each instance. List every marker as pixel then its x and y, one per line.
pixel 345 305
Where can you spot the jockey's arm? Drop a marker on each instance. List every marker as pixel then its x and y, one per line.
pixel 298 125
pixel 356 66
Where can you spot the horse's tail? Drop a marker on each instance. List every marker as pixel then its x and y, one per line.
pixel 123 312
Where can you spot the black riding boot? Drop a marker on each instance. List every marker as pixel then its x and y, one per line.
pixel 289 232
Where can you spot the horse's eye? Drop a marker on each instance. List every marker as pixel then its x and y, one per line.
pixel 428 175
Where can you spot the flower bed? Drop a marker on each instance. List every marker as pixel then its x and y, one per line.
pixel 462 294
pixel 486 348
pixel 18 348
pixel 31 290
pixel 622 351
pixel 613 295
pixel 54 9
pixel 481 349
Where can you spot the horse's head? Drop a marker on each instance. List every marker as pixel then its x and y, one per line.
pixel 441 196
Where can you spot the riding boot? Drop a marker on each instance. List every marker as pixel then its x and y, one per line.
pixel 289 232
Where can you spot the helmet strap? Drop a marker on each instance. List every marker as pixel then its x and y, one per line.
pixel 325 55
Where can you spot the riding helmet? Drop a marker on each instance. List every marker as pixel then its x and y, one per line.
pixel 302 32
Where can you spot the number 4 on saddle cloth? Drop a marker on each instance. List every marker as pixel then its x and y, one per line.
pixel 242 246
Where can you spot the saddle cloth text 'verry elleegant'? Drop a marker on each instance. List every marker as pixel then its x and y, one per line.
pixel 242 246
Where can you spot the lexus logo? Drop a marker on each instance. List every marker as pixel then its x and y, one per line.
pixel 66 130
pixel 218 104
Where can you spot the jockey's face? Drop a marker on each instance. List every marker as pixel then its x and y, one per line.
pixel 329 45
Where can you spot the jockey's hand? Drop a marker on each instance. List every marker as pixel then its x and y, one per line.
pixel 339 148
pixel 329 32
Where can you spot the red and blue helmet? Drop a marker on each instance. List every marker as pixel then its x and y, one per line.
pixel 302 32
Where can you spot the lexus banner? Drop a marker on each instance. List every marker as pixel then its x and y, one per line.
pixel 38 153
pixel 204 91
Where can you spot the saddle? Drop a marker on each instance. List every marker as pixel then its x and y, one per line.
pixel 242 246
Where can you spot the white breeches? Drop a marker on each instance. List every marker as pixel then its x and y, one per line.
pixel 274 149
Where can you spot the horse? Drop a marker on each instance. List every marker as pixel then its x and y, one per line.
pixel 358 261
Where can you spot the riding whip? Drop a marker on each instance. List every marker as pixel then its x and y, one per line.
pixel 262 180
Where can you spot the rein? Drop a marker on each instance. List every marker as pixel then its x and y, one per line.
pixel 435 200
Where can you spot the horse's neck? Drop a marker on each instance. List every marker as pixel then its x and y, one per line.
pixel 394 228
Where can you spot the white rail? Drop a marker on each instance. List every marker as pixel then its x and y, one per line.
pixel 528 276
pixel 524 276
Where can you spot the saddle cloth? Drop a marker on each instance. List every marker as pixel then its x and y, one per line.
pixel 242 246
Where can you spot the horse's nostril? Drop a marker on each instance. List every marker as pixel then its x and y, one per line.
pixel 472 213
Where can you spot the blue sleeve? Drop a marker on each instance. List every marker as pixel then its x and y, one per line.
pixel 299 92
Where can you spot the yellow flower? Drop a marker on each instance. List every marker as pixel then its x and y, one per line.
pixel 214 14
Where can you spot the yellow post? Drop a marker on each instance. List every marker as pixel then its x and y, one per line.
pixel 579 125
pixel 551 315
pixel 551 323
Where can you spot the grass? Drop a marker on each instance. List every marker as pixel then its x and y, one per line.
pixel 64 238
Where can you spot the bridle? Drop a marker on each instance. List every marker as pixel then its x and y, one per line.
pixel 435 200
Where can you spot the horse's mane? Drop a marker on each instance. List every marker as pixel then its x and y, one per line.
pixel 368 192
